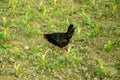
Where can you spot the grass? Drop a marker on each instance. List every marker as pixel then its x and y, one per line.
pixel 93 53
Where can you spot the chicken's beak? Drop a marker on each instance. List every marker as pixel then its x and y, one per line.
pixel 44 35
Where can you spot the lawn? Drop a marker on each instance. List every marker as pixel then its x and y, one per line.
pixel 92 54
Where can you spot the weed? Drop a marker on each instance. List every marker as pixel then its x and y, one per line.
pixel 42 10
pixel 68 52
pixel 104 71
pixel 85 18
pixel 2 48
pixel 78 29
pixel 92 18
pixel 107 46
pixel 43 57
pixel 117 41
pixel 17 69
pixel 4 29
pixel 100 70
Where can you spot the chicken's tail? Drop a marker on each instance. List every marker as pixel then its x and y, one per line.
pixel 70 30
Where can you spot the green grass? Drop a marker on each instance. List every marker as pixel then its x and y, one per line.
pixel 92 54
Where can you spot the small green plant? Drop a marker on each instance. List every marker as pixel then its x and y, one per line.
pixel 67 21
pixel 73 10
pixel 96 29
pixel 89 33
pixel 104 71
pixel 55 2
pixel 26 21
pixel 78 29
pixel 107 46
pixel 2 47
pixel 17 69
pixel 114 8
pixel 1 36
pixel 43 57
pixel 95 5
pixel 42 10
pixel 34 50
pixel 85 18
pixel 68 52
pixel 22 43
pixel 13 5
pixel 4 30
pixel 93 30
pixel 117 41
pixel 100 69
pixel 70 57
pixel 27 29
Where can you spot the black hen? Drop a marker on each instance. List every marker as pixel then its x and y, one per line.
pixel 60 39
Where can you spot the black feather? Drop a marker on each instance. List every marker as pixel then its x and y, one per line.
pixel 70 31
pixel 60 39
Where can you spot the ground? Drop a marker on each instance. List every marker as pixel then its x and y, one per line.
pixel 92 54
